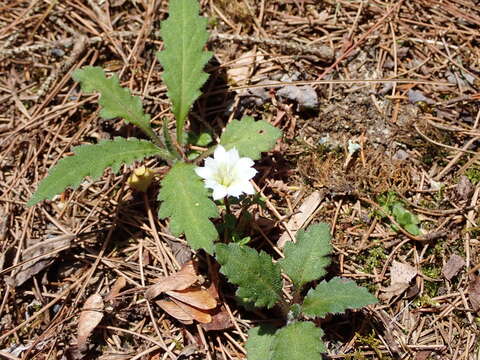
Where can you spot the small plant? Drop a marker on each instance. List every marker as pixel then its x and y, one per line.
pixel 187 200
pixel 259 283
pixel 393 207
pixel 184 198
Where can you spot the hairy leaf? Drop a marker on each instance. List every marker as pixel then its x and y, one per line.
pixel 250 137
pixel 259 343
pixel 184 36
pixel 186 201
pixel 92 160
pixel 307 259
pixel 298 341
pixel 257 277
pixel 336 296
pixel 115 100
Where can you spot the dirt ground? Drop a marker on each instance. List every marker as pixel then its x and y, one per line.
pixel 383 114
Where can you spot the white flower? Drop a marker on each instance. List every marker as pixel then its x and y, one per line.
pixel 227 173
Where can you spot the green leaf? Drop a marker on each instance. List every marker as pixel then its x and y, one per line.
pixel 260 342
pixel 250 137
pixel 307 259
pixel 405 218
pixel 115 100
pixel 298 341
pixel 184 36
pixel 412 229
pixel 92 160
pixel 258 278
pixel 336 296
pixel 186 201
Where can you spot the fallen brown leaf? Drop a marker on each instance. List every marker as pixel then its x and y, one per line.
pixel 196 297
pixel 181 280
pixel 464 188
pixel 474 292
pixel 199 315
pixel 176 311
pixel 400 276
pixel 221 320
pixel 453 266
pixel 90 317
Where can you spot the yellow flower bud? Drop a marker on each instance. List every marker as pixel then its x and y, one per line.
pixel 141 178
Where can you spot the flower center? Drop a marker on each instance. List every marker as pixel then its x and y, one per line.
pixel 224 175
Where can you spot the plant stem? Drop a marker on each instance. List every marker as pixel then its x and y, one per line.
pixel 284 307
pixel 227 205
pixel 205 154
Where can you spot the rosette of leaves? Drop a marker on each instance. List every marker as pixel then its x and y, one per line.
pixel 184 200
pixel 259 283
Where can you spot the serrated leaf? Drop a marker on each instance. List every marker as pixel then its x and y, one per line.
pixel 250 137
pixel 92 160
pixel 115 100
pixel 184 36
pixel 258 278
pixel 336 296
pixel 186 201
pixel 259 343
pixel 298 341
pixel 307 259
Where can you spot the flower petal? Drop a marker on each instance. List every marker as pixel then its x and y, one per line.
pixel 211 184
pixel 236 189
pixel 245 162
pixel 219 191
pixel 211 163
pixel 248 188
pixel 242 172
pixel 220 154
pixel 233 156
pixel 204 172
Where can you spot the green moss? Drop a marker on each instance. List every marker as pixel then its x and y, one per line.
pixel 432 271
pixel 425 300
pixel 473 174
pixel 371 340
pixel 375 258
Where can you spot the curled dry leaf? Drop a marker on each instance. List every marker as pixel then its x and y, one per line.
pixel 90 317
pixel 176 311
pixel 187 302
pixel 181 280
pixel 196 297
pixel 198 315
